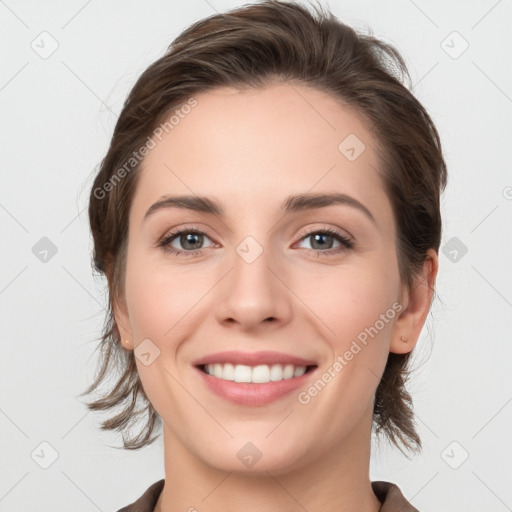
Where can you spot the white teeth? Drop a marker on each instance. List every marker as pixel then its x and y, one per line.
pixel 288 371
pixel 243 373
pixel 217 370
pixel 260 374
pixel 228 372
pixel 276 372
pixel 300 370
pixel 257 374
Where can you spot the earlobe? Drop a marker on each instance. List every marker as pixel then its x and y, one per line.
pixel 402 344
pixel 407 329
pixel 122 320
pixel 127 344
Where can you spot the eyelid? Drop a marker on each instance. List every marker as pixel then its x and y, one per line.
pixel 308 231
pixel 346 240
pixel 180 229
pixel 332 230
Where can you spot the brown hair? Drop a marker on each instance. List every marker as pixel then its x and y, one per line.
pixel 249 47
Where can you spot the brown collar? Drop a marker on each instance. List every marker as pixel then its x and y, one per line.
pixel 387 493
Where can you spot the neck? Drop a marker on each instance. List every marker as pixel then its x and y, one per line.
pixel 334 481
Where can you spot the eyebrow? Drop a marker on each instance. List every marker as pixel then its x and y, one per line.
pixel 295 203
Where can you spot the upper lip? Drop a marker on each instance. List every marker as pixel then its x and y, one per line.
pixel 253 359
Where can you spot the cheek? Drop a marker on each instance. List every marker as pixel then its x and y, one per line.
pixel 159 298
pixel 161 303
pixel 350 300
pixel 359 305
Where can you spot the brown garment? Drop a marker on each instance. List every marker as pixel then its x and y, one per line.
pixel 388 494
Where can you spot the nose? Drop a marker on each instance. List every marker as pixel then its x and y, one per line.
pixel 252 296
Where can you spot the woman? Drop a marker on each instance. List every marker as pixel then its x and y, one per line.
pixel 268 220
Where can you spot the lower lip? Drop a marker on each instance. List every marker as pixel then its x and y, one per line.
pixel 247 393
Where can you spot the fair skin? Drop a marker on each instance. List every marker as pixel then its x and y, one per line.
pixel 249 150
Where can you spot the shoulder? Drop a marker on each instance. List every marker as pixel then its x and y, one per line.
pixel 147 502
pixel 391 498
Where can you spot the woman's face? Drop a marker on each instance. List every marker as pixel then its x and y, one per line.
pixel 265 281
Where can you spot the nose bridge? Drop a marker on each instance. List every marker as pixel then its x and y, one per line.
pixel 251 292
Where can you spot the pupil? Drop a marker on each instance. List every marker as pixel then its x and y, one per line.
pixel 190 239
pixel 319 236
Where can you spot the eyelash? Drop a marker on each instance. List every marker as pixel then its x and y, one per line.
pixel 346 243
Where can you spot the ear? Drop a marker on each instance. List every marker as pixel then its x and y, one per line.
pixel 416 303
pixel 122 319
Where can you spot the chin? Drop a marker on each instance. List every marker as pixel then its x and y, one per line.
pixel 257 457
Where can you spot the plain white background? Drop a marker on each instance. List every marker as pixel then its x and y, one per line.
pixel 58 113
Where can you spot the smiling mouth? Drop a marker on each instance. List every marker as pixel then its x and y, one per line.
pixel 260 374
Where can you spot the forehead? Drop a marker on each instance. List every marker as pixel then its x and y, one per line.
pixel 242 146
